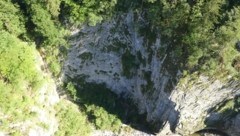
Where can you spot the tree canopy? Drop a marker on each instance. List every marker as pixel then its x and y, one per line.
pixel 205 31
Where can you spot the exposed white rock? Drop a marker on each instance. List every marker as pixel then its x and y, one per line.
pixel 194 102
pixel 131 132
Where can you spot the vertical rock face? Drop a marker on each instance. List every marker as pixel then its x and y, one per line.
pixel 196 102
pixel 120 54
pixel 128 56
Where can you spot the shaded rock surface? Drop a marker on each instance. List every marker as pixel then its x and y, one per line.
pixel 127 55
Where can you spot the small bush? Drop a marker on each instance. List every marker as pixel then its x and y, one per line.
pixel 236 63
pixel 129 63
pixel 102 119
pixel 71 89
pixel 72 122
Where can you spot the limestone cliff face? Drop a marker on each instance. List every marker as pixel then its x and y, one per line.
pixel 128 56
pixel 195 102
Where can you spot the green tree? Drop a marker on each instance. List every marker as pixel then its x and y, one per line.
pixel 11 18
pixel 72 122
pixel 42 20
pixel 90 11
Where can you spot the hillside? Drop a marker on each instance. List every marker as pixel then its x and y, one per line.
pixel 91 67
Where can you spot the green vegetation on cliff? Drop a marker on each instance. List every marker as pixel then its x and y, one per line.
pixel 97 102
pixel 206 32
pixel 203 33
pixel 19 80
pixel 72 122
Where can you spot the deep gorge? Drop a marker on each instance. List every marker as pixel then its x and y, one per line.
pixel 126 56
pixel 119 68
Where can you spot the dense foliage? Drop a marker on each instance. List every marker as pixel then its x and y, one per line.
pixel 19 80
pixel 11 19
pixel 90 11
pixel 71 121
pixel 204 32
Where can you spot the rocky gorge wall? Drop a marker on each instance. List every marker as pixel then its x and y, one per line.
pixel 127 55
